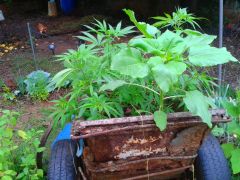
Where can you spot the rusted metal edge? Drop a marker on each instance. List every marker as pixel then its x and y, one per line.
pixel 133 127
pixel 132 119
pixel 111 166
pixel 176 170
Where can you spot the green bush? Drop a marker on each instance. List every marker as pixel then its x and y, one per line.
pixel 232 133
pixel 37 85
pixel 18 149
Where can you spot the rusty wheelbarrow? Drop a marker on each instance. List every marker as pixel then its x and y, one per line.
pixel 134 148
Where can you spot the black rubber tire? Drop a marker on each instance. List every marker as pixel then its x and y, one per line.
pixel 63 161
pixel 211 163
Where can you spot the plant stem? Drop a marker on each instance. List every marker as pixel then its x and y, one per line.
pixel 161 100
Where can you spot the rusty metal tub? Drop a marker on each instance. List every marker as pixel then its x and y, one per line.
pixel 133 147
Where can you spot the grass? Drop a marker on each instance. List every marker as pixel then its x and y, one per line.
pixel 24 64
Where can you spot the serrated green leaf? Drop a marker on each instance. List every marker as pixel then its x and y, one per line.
pixel 235 161
pixel 112 85
pixel 227 149
pixel 160 119
pixel 167 74
pixel 198 104
pixel 129 62
pixel 209 56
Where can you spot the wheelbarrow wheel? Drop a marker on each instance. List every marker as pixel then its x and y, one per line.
pixel 63 163
pixel 211 163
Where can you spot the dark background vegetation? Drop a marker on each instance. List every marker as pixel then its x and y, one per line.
pixel 143 8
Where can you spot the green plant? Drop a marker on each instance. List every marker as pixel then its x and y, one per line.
pixel 21 85
pixel 232 132
pixel 99 106
pixel 178 19
pixel 159 69
pixel 63 111
pixel 86 68
pixel 37 85
pixel 18 149
pixel 6 93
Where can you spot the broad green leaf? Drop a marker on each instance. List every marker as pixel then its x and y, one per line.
pixel 235 161
pixel 198 104
pixel 160 119
pixel 129 62
pixel 147 45
pixel 231 109
pixel 199 40
pixel 167 74
pixel 171 42
pixel 166 42
pixel 22 134
pixel 112 85
pixel 227 149
pixel 146 29
pixel 154 61
pixel 209 56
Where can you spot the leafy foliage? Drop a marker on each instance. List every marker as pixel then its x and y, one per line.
pixel 86 68
pixel 177 20
pixel 155 72
pixel 18 149
pixel 6 93
pixel 37 85
pixel 232 147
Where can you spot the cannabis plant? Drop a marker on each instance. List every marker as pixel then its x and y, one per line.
pixel 154 72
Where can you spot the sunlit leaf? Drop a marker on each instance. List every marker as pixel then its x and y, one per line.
pixel 209 56
pixel 130 62
pixel 198 104
pixel 160 119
